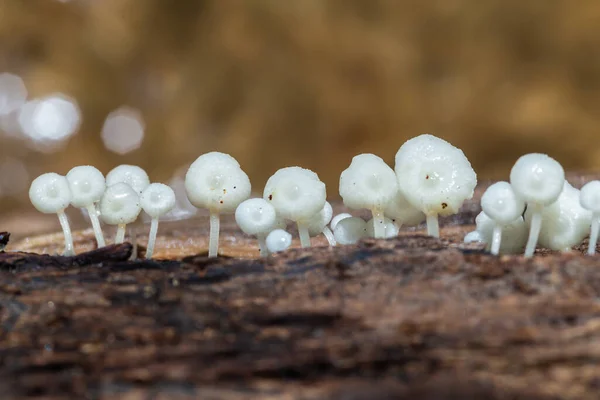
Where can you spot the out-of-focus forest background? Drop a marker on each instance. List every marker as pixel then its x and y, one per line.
pixel 277 83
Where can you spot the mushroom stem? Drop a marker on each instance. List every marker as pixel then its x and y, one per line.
pixel 496 239
pixel 262 244
pixel 120 236
pixel 64 223
pixel 304 236
pixel 433 225
pixel 133 241
pixel 594 234
pixel 534 230
pixel 378 224
pixel 213 241
pixel 329 236
pixel 151 238
pixel 92 212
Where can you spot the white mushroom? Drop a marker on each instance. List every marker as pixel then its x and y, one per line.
pixel 318 224
pixel 50 194
pixel 501 204
pixel 590 200
pixel 474 237
pixel 435 177
pixel 350 230
pixel 369 183
pixel 132 175
pixel 338 218
pixel 120 205
pixel 215 181
pixel 257 217
pixel 87 185
pixel 156 200
pixel 278 240
pixel 566 223
pixel 514 235
pixel 401 212
pixel 538 180
pixel 390 228
pixel 297 194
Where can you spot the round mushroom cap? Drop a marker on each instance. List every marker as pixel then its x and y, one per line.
pixel 564 223
pixel 256 216
pixel 501 203
pixel 220 187
pixel 120 204
pixel 514 234
pixel 335 220
pixel 215 157
pixel 49 193
pixel 320 220
pixel 132 175
pixel 434 176
pixel 350 230
pixel 296 193
pixel 157 200
pixel 401 211
pixel 87 185
pixel 537 179
pixel 391 229
pixel 278 240
pixel 368 183
pixel 590 196
pixel 473 237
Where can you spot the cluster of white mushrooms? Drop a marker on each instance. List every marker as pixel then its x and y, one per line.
pixel 431 178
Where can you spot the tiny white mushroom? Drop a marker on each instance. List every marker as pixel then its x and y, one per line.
pixel 590 200
pixel 538 180
pixel 473 237
pixel 278 240
pixel 350 230
pixel 435 177
pixel 338 218
pixel 297 194
pixel 401 212
pixel 156 200
pixel 120 205
pixel 501 204
pixel 215 181
pixel 318 224
pixel 369 183
pixel 257 217
pixel 50 194
pixel 87 185
pixel 132 175
pixel 391 229
pixel 514 235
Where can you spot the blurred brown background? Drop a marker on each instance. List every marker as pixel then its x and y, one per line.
pixel 305 82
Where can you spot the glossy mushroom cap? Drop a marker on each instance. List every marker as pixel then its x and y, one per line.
pixel 400 210
pixel 320 220
pixel 278 240
pixel 350 230
pixel 132 175
pixel 87 185
pixel 49 193
pixel 537 179
pixel 120 204
pixel 335 220
pixel 501 203
pixel 157 199
pixel 391 230
pixel 256 216
pixel 590 196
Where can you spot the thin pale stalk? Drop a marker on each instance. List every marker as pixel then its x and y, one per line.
pixel 329 236
pixel 64 223
pixel 378 224
pixel 594 234
pixel 433 226
pixel 133 240
pixel 91 209
pixel 262 244
pixel 152 238
pixel 120 236
pixel 534 231
pixel 496 239
pixel 304 236
pixel 213 240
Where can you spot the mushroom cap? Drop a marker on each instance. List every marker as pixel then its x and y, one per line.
pixel 590 196
pixel 296 193
pixel 473 237
pixel 157 199
pixel 350 230
pixel 278 240
pixel 391 229
pixel 87 185
pixel 501 203
pixel 564 223
pixel 368 183
pixel 335 220
pixel 434 176
pixel 537 179
pixel 514 234
pixel 132 175
pixel 49 193
pixel 320 220
pixel 120 204
pixel 217 183
pixel 401 211
pixel 256 216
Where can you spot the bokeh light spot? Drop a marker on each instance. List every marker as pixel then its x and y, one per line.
pixel 123 130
